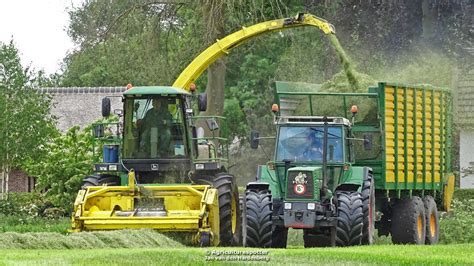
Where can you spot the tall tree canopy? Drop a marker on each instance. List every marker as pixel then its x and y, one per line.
pixel 25 124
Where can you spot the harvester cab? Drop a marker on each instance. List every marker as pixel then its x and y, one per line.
pixel 313 182
pixel 161 171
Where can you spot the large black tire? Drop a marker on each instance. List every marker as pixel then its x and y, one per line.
pixel 279 237
pixel 432 221
pixel 315 240
pixel 408 221
pixel 350 219
pixel 229 213
pixel 95 180
pixel 368 208
pixel 258 219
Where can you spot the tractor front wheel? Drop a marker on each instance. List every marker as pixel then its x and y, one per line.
pixel 258 219
pixel 96 180
pixel 350 219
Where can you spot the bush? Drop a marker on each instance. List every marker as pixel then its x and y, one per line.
pixel 457 225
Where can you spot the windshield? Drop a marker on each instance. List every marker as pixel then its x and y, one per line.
pixel 154 128
pixel 306 144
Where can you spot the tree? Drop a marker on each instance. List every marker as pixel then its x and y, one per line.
pixel 25 125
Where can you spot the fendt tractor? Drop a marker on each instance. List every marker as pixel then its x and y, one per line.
pixel 163 169
pixel 348 163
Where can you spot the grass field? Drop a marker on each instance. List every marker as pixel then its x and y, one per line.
pixel 379 255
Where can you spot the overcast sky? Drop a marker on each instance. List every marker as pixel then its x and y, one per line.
pixel 38 28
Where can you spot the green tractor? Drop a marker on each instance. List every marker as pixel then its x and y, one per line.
pixel 342 173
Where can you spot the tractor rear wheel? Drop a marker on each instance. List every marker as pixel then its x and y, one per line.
pixel 408 221
pixel 279 237
pixel 315 240
pixel 258 219
pixel 350 218
pixel 229 213
pixel 368 208
pixel 432 221
pixel 95 180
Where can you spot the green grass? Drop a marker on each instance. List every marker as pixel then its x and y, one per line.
pixel 22 224
pixel 379 255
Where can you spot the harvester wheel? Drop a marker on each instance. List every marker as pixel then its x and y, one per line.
pixel 315 240
pixel 258 219
pixel 229 213
pixel 368 208
pixel 432 221
pixel 408 222
pixel 100 179
pixel 279 237
pixel 350 218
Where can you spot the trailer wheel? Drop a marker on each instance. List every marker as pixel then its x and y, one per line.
pixel 95 180
pixel 258 219
pixel 408 222
pixel 432 221
pixel 368 208
pixel 279 237
pixel 315 240
pixel 229 213
pixel 350 218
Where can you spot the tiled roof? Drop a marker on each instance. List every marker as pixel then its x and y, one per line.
pixel 80 105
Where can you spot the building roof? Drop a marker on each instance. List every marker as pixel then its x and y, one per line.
pixel 80 106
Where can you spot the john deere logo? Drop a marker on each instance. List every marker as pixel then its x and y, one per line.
pixel 299 184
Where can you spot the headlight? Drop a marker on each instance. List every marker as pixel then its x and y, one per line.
pixel 113 167
pixel 311 206
pixel 199 166
pixel 287 205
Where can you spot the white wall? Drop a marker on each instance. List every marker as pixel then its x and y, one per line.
pixel 466 158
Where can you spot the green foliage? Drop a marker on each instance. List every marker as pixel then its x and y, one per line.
pixel 457 225
pixel 69 158
pixel 27 224
pixel 25 124
pixel 234 115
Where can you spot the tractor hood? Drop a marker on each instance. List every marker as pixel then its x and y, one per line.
pixel 146 90
pixel 304 183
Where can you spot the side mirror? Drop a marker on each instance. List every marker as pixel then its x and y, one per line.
pixel 136 107
pixel 212 124
pixel 105 107
pixel 98 130
pixel 202 102
pixel 367 142
pixel 254 137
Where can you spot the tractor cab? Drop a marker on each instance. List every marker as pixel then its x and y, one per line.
pixel 305 146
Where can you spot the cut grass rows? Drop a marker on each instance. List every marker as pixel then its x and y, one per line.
pixel 83 240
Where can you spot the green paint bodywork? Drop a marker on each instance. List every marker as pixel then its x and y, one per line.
pixel 316 172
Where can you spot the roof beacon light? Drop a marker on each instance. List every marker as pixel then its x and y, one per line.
pixel 192 87
pixel 275 108
pixel 129 86
pixel 354 109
